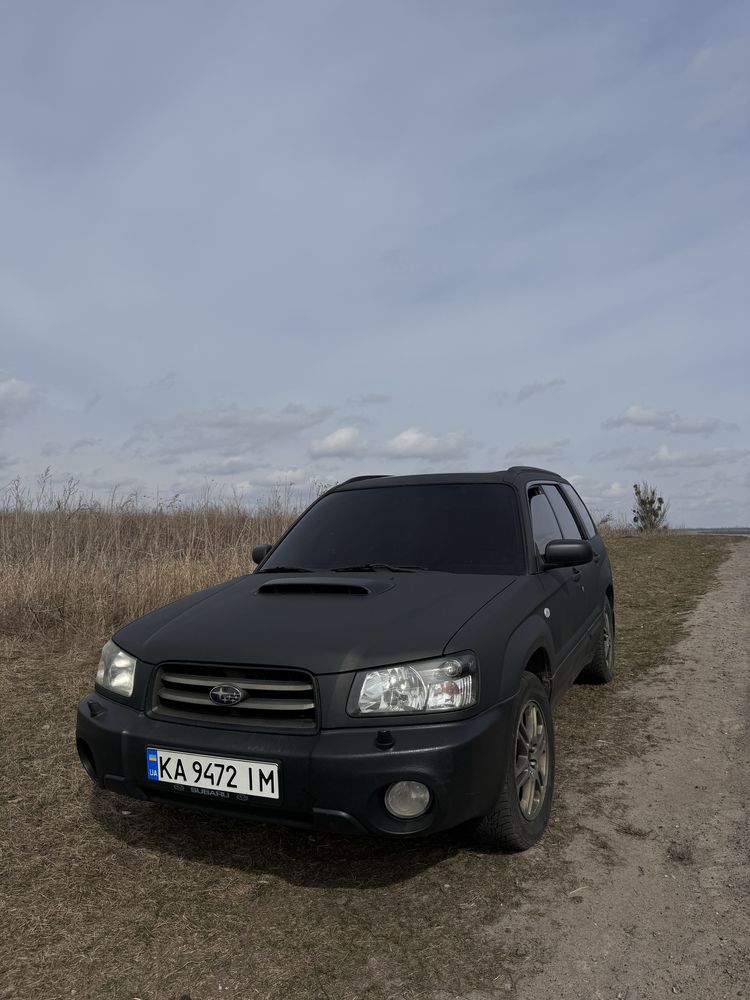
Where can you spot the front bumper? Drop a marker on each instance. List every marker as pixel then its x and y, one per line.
pixel 333 780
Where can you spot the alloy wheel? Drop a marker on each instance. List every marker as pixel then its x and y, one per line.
pixel 532 760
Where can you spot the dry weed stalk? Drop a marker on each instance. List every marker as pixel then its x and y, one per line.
pixel 74 567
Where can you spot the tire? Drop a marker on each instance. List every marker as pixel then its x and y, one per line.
pixel 521 813
pixel 601 670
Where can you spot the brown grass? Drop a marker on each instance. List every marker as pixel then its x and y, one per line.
pixel 73 567
pixel 109 899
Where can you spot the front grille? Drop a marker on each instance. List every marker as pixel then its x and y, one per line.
pixel 273 698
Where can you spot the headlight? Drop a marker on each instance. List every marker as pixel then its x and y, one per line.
pixel 116 670
pixel 439 685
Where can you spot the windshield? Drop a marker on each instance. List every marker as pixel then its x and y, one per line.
pixel 452 528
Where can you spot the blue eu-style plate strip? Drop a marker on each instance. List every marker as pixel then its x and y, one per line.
pixel 152 763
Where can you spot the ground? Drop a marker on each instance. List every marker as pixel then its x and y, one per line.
pixel 662 854
pixel 638 890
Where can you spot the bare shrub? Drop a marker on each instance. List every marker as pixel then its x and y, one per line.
pixel 649 509
pixel 74 566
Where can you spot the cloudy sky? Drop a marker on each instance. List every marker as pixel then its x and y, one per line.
pixel 246 243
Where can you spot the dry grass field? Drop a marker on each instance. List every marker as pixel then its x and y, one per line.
pixel 73 567
pixel 110 899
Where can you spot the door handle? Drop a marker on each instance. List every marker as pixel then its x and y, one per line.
pixel 576 572
pixel 597 557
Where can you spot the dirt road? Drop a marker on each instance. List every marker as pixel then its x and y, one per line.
pixel 662 904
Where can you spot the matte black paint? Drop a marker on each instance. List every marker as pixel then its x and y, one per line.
pixel 336 777
pixel 325 633
pixel 337 771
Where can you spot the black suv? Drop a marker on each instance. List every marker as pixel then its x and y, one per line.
pixel 387 668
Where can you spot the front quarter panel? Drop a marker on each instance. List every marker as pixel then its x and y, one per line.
pixel 504 634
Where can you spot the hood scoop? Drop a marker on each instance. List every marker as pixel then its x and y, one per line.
pixel 326 586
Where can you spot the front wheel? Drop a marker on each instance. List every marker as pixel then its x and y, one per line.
pixel 521 813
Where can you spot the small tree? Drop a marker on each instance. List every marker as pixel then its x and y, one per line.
pixel 649 510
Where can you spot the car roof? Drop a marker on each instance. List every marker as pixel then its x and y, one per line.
pixel 516 475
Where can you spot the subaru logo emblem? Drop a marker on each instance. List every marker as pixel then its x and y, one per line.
pixel 225 694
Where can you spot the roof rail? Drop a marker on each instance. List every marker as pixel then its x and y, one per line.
pixel 517 469
pixel 356 479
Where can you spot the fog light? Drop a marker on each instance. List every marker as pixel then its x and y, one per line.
pixel 407 799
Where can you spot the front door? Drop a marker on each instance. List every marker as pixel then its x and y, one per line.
pixel 586 576
pixel 563 594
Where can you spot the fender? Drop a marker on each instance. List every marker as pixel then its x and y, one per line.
pixel 531 635
pixel 505 655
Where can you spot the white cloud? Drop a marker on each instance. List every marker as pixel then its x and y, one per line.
pixel 665 458
pixel 615 491
pixel 345 442
pixel 96 484
pixel 538 449
pixel 294 477
pixel 616 454
pixel 667 420
pixel 710 425
pixel 604 497
pixel 280 476
pixel 534 388
pixel 414 443
pixel 219 467
pixel 641 416
pixel 16 399
pixel 226 430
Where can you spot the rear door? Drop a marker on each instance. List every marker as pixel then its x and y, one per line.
pixel 601 560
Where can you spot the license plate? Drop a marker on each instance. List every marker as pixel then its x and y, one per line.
pixel 222 774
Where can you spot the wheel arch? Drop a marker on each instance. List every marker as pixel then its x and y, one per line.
pixel 529 649
pixel 539 665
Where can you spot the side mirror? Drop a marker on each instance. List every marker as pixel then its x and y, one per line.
pixel 260 552
pixel 565 552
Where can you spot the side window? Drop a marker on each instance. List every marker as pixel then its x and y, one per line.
pixel 580 508
pixel 566 520
pixel 543 520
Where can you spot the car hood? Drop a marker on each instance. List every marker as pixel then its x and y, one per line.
pixel 326 624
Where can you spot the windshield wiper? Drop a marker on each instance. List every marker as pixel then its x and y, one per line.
pixel 286 569
pixel 370 567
